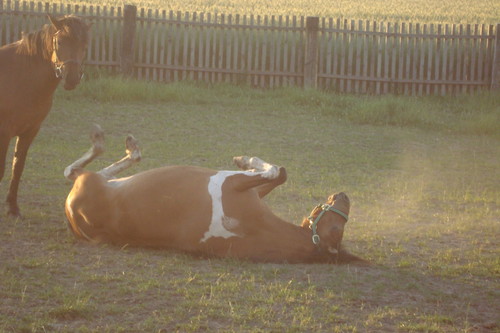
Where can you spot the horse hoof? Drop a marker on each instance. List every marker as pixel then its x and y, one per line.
pixel 14 214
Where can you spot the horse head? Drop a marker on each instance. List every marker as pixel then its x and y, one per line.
pixel 69 45
pixel 327 223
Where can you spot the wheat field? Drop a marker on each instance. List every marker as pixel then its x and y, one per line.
pixel 421 11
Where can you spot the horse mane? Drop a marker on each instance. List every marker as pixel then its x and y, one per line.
pixel 39 43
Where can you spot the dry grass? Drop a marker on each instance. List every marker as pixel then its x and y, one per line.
pixel 425 212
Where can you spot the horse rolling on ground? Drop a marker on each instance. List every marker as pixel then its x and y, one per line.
pixel 199 211
pixel 30 70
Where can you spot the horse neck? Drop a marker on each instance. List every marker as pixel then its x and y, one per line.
pixel 291 242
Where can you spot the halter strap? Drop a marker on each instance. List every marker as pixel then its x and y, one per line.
pixel 58 65
pixel 313 223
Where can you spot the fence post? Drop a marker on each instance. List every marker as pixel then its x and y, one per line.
pixel 128 40
pixel 311 53
pixel 495 68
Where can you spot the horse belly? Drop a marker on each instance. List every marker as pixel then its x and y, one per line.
pixel 164 209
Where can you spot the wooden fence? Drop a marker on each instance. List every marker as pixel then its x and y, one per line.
pixel 267 51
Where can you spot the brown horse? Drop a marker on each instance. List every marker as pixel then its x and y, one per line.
pixel 200 211
pixel 30 70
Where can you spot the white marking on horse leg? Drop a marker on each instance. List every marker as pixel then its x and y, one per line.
pixel 133 156
pixel 219 221
pixel 255 164
pixel 97 138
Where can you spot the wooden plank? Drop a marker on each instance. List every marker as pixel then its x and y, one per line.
pixel 474 63
pixel 357 50
pixel 343 48
pixel 495 59
pixel 403 48
pixel 444 59
pixel 192 45
pixel 8 23
pixel 250 50
pixel 379 55
pixel 350 53
pixel 429 60
pixel 298 56
pixel 258 37
pixel 480 56
pixel 112 39
pixel 168 42
pixel 490 55
pixel 140 43
pixel 286 54
pixel 373 58
pixel 147 36
pixel 415 53
pixel 437 58
pixel 459 59
pixel 467 58
pixel 185 44
pixel 279 43
pixel 153 38
pixel 235 36
pixel 366 53
pixel 451 75
pixel 162 37
pixel 208 48
pixel 105 35
pixel 387 57
pixel 201 48
pixel 177 47
pixel 327 53
pixel 294 53
pixel 16 19
pixel 229 48
pixel 272 54
pixel 395 45
pixel 264 53
pixel 213 50
pixel 421 58
pixel 220 54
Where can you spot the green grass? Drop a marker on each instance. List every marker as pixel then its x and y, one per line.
pixel 422 175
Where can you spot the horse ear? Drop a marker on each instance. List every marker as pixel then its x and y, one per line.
pixel 55 22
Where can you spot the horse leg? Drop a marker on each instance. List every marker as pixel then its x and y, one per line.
pixel 133 155
pixel 23 144
pixel 4 147
pixel 270 175
pixel 97 138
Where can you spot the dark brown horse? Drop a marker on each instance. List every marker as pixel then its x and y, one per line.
pixel 30 70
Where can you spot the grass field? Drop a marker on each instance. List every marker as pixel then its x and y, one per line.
pixel 421 11
pixel 422 175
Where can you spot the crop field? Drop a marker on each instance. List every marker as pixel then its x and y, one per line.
pixel 422 175
pixel 421 11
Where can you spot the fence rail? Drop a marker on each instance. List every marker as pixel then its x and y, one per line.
pixel 267 51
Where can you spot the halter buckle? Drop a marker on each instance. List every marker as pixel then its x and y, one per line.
pixel 58 70
pixel 315 239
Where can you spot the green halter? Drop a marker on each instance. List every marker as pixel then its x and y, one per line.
pixel 313 223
